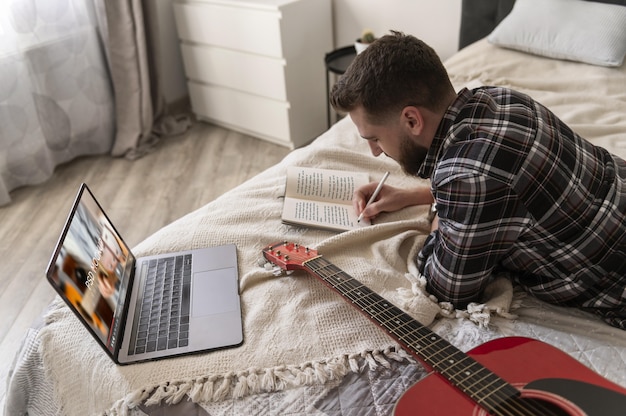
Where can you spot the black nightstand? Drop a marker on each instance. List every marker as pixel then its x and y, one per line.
pixel 337 62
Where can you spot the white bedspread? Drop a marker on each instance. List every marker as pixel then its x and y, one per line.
pixel 299 332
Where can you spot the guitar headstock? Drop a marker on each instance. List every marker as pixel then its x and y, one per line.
pixel 289 256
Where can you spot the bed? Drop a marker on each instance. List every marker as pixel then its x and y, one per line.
pixel 306 351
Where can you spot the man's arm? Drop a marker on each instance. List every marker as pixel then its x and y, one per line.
pixel 478 221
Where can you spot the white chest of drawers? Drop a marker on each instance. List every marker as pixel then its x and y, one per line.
pixel 257 66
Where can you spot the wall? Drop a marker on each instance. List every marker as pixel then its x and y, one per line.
pixel 436 22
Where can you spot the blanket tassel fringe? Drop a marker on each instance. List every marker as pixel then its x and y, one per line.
pixel 253 381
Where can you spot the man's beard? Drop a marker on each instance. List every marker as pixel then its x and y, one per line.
pixel 412 156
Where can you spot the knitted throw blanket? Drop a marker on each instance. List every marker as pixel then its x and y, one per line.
pixel 296 331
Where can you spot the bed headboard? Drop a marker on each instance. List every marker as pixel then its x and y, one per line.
pixel 480 17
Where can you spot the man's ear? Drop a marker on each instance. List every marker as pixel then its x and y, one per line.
pixel 413 119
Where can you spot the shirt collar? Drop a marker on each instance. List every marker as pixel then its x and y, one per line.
pixel 434 151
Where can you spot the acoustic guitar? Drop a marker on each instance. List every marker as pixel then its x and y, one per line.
pixel 506 376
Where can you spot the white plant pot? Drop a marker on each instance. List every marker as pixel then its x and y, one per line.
pixel 360 47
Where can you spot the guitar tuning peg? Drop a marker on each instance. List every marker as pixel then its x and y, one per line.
pixel 266 264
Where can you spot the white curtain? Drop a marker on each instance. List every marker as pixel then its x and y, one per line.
pixel 77 77
pixel 56 99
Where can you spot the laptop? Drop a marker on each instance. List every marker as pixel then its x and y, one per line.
pixel 146 308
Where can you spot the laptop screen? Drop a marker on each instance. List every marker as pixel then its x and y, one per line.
pixel 91 269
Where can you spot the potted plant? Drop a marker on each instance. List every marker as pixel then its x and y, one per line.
pixel 367 37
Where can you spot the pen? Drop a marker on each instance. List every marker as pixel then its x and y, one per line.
pixel 374 195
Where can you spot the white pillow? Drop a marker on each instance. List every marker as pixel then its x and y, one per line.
pixel 584 31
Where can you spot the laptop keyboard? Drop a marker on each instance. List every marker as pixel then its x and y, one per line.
pixel 162 320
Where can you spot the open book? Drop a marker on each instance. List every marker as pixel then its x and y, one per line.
pixel 322 198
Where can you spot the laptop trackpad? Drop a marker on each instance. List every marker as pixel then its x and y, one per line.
pixel 214 291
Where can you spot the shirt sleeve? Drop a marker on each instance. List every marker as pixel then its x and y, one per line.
pixel 480 219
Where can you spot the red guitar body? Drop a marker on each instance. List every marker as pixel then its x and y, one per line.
pixel 538 369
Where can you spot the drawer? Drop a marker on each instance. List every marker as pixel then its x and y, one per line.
pixel 248 30
pixel 251 112
pixel 255 74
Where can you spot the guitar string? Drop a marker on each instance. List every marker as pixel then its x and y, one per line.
pixel 359 289
pixel 506 402
pixel 426 344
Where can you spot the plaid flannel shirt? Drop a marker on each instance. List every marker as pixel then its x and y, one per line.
pixel 518 191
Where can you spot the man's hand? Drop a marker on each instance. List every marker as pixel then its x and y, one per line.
pixel 389 199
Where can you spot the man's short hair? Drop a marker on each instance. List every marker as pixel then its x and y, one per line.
pixel 395 71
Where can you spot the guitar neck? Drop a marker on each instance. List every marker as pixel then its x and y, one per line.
pixel 479 383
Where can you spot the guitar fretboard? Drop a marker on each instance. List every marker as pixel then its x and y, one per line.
pixel 478 382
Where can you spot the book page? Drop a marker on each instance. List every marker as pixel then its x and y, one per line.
pixel 323 184
pixel 321 214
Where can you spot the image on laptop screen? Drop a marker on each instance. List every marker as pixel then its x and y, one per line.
pixel 91 267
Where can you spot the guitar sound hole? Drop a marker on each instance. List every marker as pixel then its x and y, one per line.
pixel 537 402
pixel 540 407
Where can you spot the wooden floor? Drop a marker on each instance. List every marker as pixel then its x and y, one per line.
pixel 141 196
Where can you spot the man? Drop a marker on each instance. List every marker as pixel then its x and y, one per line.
pixel 515 188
